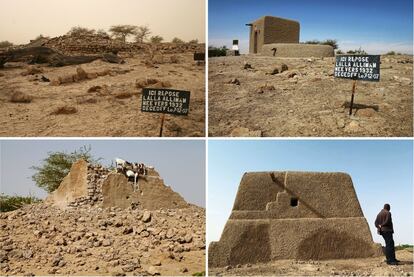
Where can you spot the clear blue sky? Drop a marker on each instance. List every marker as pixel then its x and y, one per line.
pixel 377 26
pixel 181 163
pixel 382 172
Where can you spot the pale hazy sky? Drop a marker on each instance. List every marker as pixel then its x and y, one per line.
pixel 22 20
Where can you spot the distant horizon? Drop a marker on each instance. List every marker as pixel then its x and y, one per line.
pixel 167 18
pixel 130 39
pixel 377 27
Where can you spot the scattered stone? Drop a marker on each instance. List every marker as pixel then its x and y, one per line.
pixel 123 95
pixel 64 110
pixel 81 74
pixel 146 216
pixel 156 263
pixel 234 81
pixel 366 112
pixel 284 67
pixel 127 230
pixel 247 66
pixel 153 271
pixel 20 97
pixel 128 268
pixel 265 88
pixel 32 70
pixel 274 71
pixel 245 132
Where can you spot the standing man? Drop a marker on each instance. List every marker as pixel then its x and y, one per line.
pixel 385 229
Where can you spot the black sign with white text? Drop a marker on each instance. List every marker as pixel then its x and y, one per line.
pixel 358 67
pixel 161 100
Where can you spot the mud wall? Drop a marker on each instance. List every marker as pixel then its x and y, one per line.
pixel 325 220
pixel 297 50
pixel 273 30
pixel 95 185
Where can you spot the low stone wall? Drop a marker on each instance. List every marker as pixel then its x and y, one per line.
pixel 95 44
pixel 297 50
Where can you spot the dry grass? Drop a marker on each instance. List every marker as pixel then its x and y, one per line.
pixel 64 110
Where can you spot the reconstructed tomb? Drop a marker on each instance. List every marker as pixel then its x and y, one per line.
pixel 95 185
pixel 293 215
pixel 279 37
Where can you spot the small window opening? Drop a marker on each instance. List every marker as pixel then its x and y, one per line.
pixel 293 202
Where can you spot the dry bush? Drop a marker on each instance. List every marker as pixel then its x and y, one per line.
pixel 64 110
pixel 123 95
pixel 20 97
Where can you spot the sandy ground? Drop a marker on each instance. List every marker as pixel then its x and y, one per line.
pixel 350 267
pixel 109 112
pixel 306 100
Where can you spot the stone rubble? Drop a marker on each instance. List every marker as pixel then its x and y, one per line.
pixel 40 239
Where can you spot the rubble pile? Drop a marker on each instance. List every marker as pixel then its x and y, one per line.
pixel 95 177
pixel 94 44
pixel 41 239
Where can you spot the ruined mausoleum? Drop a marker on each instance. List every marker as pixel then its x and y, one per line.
pixel 279 37
pixel 293 215
pixel 95 185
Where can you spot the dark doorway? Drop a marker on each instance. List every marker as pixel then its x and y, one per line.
pixel 293 202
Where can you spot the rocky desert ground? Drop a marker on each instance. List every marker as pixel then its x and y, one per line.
pixel 100 98
pixel 346 267
pixel 42 240
pixel 253 95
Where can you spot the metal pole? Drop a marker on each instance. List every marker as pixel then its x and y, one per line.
pixel 162 123
pixel 352 98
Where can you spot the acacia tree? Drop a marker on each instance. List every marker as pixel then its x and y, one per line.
pixel 156 39
pixel 78 30
pixel 102 32
pixel 123 31
pixel 177 40
pixel 4 44
pixel 57 165
pixel 142 33
pixel 193 41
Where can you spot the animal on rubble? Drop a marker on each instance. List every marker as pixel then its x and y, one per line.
pixel 130 174
pixel 131 170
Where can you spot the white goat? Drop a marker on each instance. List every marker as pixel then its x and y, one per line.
pixel 130 173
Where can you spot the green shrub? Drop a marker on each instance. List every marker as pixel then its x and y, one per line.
pixel 10 203
pixel 217 51
pixel 57 165
pixel 177 40
pixel 392 53
pixel 359 51
pixel 203 273
pixel 331 42
pixel 408 247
